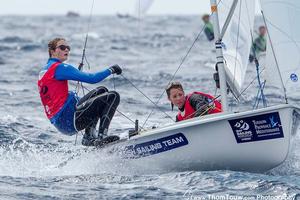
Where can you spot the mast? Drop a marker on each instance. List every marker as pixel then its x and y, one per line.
pixel 219 52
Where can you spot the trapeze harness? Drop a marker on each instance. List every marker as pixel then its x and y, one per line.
pixel 189 111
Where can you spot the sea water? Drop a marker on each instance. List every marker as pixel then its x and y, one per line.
pixel 37 162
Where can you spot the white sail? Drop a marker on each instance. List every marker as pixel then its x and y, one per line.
pixel 141 7
pixel 282 20
pixel 237 39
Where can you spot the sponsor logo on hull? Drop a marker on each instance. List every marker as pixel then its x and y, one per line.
pixel 256 128
pixel 155 146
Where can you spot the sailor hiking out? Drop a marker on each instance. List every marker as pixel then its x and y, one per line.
pixel 65 110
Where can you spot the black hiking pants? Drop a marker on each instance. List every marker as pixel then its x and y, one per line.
pixel 98 104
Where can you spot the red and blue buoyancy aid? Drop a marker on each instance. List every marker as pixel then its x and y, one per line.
pixel 53 93
pixel 189 111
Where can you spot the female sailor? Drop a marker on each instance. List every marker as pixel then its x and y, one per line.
pixel 192 105
pixel 65 110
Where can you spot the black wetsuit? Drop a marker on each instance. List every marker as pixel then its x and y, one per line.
pixel 97 104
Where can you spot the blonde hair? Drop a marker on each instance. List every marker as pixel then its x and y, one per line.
pixel 52 45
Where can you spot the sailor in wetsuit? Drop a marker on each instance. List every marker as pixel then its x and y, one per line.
pixel 67 112
pixel 192 105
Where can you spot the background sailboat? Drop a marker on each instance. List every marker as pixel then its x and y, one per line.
pixel 142 7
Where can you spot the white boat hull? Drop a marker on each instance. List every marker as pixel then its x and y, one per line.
pixel 212 143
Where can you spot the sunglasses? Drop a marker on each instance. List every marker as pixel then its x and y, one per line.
pixel 64 47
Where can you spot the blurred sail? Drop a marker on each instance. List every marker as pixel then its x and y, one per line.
pixel 141 7
pixel 237 39
pixel 282 20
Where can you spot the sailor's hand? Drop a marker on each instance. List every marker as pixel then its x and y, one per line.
pixel 115 69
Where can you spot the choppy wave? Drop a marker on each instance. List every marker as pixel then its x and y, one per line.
pixel 4 48
pixel 14 39
pixel 30 47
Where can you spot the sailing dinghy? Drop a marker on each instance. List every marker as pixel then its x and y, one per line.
pixel 255 140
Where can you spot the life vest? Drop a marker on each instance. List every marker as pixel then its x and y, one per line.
pixel 53 93
pixel 189 111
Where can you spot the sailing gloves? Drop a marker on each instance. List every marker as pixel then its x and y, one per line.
pixel 115 69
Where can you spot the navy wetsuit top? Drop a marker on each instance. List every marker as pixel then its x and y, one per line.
pixel 64 119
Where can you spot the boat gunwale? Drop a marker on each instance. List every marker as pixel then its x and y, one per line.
pixel 209 119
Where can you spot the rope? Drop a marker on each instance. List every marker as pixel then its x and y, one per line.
pixel 276 62
pixel 83 57
pixel 172 78
pixel 249 84
pixel 259 95
pixel 148 98
pixel 261 87
pixel 208 108
pixel 91 96
pixel 80 67
pixel 181 63
pixel 114 108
